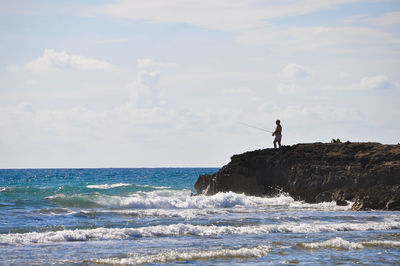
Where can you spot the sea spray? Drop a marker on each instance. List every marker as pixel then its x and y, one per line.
pixel 182 199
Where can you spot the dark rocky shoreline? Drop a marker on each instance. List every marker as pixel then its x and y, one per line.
pixel 367 174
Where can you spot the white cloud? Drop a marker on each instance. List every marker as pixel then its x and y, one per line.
pixel 392 18
pixel 26 107
pixel 13 68
pixel 387 19
pixel 120 126
pixel 207 94
pixel 242 90
pixel 53 61
pixel 300 113
pixel 107 41
pixel 145 63
pixel 221 15
pixel 313 38
pixel 380 82
pixel 32 82
pixel 146 90
pixel 290 88
pixel 250 21
pixel 294 71
pixel 355 18
pixel 344 75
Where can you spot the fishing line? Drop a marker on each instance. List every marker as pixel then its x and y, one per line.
pixel 255 127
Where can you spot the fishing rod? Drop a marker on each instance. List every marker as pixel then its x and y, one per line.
pixel 255 127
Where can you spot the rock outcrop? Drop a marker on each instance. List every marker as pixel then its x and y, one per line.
pixel 367 174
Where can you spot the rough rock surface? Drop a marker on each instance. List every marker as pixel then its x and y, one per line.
pixel 367 174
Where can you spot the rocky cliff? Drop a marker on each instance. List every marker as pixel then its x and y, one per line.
pixel 367 174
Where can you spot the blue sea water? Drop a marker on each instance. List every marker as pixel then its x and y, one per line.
pixel 149 216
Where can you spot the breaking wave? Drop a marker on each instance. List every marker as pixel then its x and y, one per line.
pixel 340 243
pixel 106 186
pixel 379 243
pixel 182 199
pixel 179 255
pixel 180 229
pixel 337 242
pixel 162 213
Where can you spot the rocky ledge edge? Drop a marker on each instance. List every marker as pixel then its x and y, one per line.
pixel 367 174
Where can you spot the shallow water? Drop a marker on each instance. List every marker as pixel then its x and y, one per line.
pixel 148 216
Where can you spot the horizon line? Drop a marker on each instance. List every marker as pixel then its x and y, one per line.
pixel 75 168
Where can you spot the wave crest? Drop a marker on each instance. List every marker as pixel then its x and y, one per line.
pixel 178 255
pixel 182 199
pixel 106 186
pixel 340 243
pixel 200 230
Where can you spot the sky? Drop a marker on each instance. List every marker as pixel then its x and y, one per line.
pixel 157 83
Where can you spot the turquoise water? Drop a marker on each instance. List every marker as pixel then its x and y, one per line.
pixel 149 216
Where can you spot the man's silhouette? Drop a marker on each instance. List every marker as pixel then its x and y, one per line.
pixel 277 133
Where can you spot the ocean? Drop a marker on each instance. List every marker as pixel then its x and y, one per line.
pixel 149 216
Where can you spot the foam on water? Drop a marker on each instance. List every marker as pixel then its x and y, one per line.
pixel 182 199
pixel 182 255
pixel 196 230
pixel 385 243
pixel 106 186
pixel 131 216
pixel 169 213
pixel 337 242
pixel 155 187
pixel 340 243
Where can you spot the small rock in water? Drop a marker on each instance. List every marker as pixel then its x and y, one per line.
pixel 341 202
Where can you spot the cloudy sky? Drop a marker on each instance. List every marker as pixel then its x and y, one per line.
pixel 160 83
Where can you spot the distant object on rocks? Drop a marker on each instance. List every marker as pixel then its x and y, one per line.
pixel 367 174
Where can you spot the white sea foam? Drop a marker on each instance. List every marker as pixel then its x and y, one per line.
pixel 337 242
pixel 106 186
pixel 168 213
pixel 167 199
pixel 340 243
pixel 189 229
pixel 156 187
pixel 181 199
pixel 377 243
pixel 6 189
pixel 160 187
pixel 179 255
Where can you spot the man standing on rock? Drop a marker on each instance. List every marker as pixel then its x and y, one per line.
pixel 277 133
